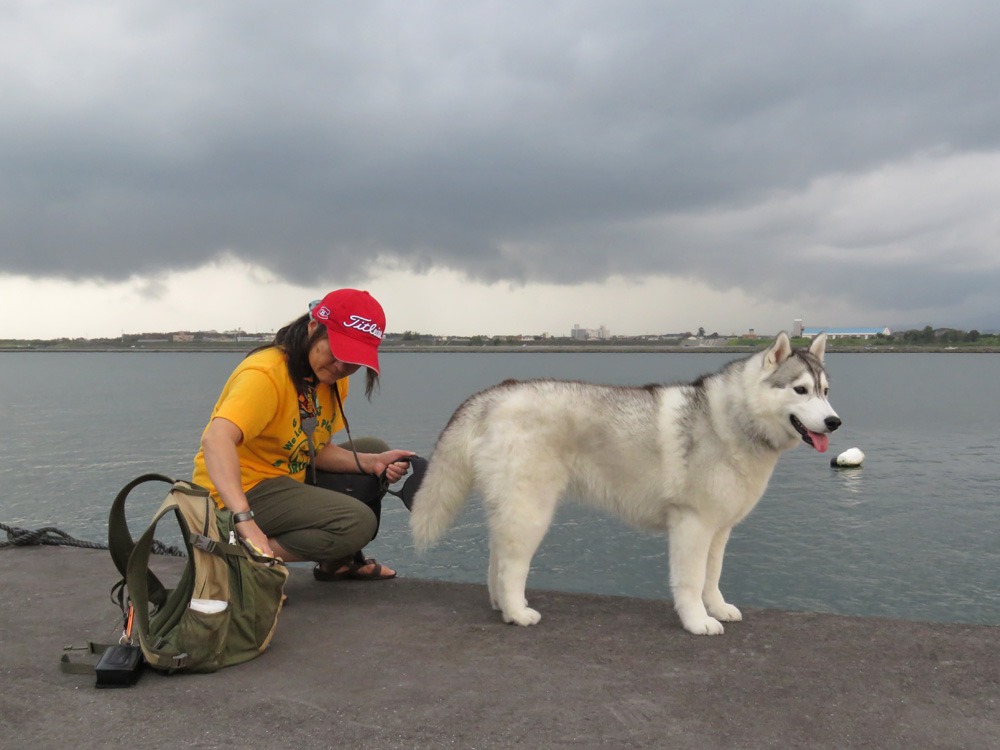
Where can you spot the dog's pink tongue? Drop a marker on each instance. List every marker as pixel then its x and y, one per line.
pixel 820 442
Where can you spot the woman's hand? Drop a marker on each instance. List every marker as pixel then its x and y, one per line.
pixel 393 463
pixel 340 460
pixel 250 532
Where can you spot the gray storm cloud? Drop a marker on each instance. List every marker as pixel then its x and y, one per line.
pixel 564 141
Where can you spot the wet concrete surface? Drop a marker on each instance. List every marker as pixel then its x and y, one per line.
pixel 422 664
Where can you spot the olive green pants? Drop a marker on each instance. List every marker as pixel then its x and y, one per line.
pixel 316 523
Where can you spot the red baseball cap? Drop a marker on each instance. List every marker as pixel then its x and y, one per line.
pixel 355 322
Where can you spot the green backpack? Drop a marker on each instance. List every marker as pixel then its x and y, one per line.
pixel 225 606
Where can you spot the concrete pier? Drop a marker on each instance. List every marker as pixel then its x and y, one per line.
pixel 421 664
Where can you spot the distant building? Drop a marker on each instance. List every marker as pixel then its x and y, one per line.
pixel 696 341
pixel 846 333
pixel 588 334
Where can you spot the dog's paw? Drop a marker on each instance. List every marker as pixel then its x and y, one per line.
pixel 495 603
pixel 704 626
pixel 526 616
pixel 725 613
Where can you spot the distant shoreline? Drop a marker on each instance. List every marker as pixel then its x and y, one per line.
pixel 508 349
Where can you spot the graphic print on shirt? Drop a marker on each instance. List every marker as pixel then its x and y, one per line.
pixel 305 428
pixel 298 450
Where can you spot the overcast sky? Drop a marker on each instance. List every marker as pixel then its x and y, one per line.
pixel 499 167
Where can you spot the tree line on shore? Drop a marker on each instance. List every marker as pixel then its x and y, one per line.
pixel 927 337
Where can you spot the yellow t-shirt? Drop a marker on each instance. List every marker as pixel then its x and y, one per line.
pixel 261 400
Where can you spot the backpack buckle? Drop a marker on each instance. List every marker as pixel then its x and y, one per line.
pixel 204 543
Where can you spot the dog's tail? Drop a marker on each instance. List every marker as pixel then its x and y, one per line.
pixel 446 484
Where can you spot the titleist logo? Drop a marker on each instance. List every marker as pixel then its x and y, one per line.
pixel 365 325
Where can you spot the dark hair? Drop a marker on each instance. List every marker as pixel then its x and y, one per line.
pixel 294 340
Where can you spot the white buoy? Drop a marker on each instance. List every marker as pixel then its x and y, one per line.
pixel 850 457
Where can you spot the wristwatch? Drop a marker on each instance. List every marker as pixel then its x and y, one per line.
pixel 243 516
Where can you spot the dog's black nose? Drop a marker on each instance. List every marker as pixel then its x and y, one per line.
pixel 832 423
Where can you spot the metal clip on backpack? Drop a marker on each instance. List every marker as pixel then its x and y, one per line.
pixel 237 596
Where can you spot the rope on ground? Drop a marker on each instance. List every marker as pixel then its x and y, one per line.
pixel 17 537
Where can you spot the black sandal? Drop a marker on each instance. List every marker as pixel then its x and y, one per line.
pixel 350 570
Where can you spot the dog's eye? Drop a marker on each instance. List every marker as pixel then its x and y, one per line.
pixel 801 390
pixel 826 391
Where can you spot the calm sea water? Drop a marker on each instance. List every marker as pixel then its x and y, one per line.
pixel 914 534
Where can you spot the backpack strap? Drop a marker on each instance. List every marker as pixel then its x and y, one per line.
pixel 199 538
pixel 141 580
pixel 221 549
pixel 120 542
pixel 69 665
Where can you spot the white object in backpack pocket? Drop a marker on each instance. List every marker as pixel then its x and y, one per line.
pixel 209 606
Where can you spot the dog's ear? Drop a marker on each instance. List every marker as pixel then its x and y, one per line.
pixel 780 350
pixel 818 346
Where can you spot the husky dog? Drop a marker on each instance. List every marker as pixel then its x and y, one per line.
pixel 691 460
